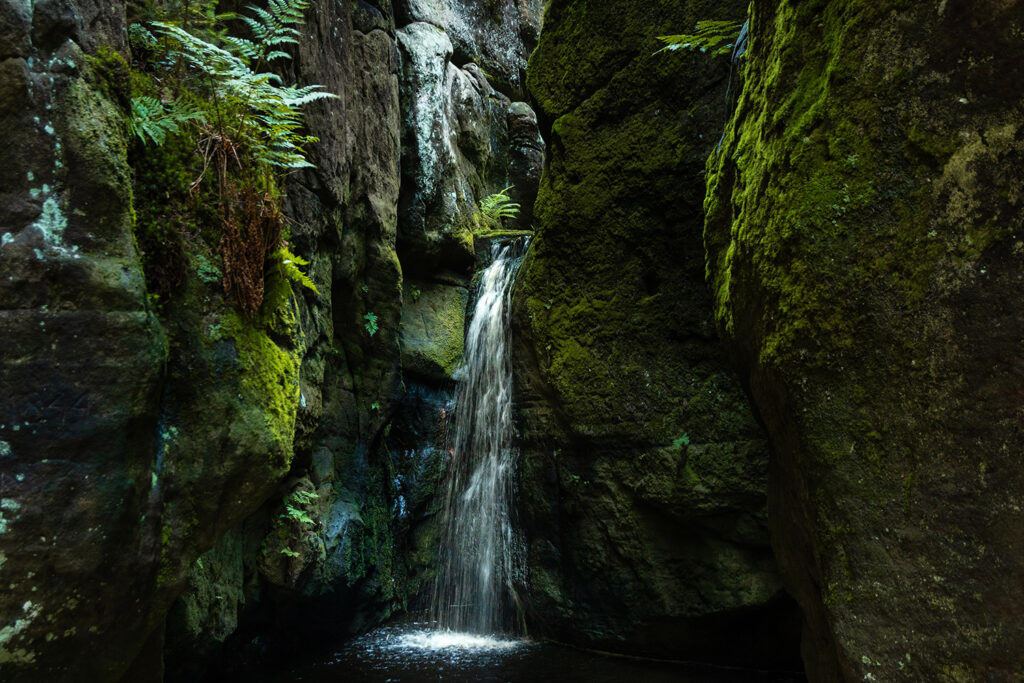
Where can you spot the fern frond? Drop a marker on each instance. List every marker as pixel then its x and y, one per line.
pixel 290 263
pixel 156 120
pixel 716 37
pixel 242 47
pixel 499 205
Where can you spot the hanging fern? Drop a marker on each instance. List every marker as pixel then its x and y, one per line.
pixel 246 124
pixel 268 117
pixel 716 37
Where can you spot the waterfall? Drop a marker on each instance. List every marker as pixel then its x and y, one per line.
pixel 475 589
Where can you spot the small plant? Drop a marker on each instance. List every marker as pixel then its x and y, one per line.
pixel 497 206
pixel 155 120
pixel 289 552
pixel 716 37
pixel 290 263
pixel 371 323
pixel 206 270
pixel 684 440
pixel 293 512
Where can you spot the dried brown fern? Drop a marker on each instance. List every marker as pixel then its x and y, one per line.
pixel 251 232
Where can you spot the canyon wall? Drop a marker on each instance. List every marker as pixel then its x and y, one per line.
pixel 160 452
pixel 644 470
pixel 864 236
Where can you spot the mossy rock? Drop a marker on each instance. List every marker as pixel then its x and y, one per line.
pixel 864 245
pixel 433 329
pixel 644 471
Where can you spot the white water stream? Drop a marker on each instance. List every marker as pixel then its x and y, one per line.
pixel 475 589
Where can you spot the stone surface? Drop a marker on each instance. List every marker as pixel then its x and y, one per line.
pixel 433 330
pixel 458 147
pixel 644 472
pixel 865 245
pixel 80 372
pixel 496 35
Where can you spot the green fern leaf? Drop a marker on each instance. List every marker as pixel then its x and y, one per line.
pixel 716 37
pixel 290 263
pixel 497 206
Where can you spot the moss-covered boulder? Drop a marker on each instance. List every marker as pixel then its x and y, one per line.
pixel 864 233
pixel 433 329
pixel 644 472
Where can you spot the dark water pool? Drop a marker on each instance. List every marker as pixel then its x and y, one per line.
pixel 412 654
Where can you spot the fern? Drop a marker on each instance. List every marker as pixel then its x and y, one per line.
pixel 289 264
pixel 300 516
pixel 271 27
pixel 246 124
pixel 716 37
pixel 268 116
pixel 156 120
pixel 371 323
pixel 497 206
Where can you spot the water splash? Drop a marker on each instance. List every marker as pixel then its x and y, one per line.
pixel 450 640
pixel 479 555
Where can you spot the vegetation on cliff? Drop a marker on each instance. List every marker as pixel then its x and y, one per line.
pixel 202 88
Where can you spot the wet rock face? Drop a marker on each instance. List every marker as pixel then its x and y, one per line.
pixel 462 141
pixel 644 472
pixel 865 244
pixel 498 35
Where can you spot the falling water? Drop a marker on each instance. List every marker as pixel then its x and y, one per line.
pixel 475 589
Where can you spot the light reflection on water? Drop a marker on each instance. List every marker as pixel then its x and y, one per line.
pixel 413 653
pixel 450 640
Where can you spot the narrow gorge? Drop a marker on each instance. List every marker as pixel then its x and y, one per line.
pixel 511 340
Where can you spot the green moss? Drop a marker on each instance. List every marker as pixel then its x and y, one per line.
pixel 269 379
pixel 583 42
pixel 433 329
pixel 834 184
pixel 607 281
pixel 849 215
pixel 114 72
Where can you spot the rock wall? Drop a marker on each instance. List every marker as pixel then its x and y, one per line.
pixel 84 356
pixel 644 470
pixel 155 441
pixel 865 245
pixel 404 157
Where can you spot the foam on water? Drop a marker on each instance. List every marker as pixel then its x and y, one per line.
pixel 452 640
